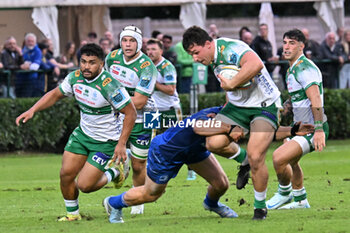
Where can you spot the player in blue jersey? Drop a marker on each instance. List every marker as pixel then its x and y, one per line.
pixel 183 144
pixel 186 144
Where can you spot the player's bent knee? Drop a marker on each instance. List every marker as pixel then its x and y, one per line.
pixel 221 184
pixel 212 146
pixel 85 188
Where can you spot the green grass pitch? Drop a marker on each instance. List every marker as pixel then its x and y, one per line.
pixel 31 201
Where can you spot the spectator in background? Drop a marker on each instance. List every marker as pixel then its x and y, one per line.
pixel 213 84
pixel 243 30
pixel 68 59
pixel 213 31
pixel 160 36
pixel 168 49
pixel 25 82
pixel 155 33
pixel 262 46
pixel 11 58
pixel 144 44
pixel 69 56
pixel 335 52
pixel 109 36
pixel 312 49
pixel 82 43
pixel 92 38
pixel 186 62
pixel 46 66
pixel 247 37
pixel 340 34
pixel 105 44
pixel 344 77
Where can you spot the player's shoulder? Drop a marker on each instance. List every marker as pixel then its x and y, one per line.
pixel 305 65
pixel 166 64
pixel 144 63
pixel 107 80
pixel 74 75
pixel 115 54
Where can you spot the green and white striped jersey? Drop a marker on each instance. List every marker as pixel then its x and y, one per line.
pixel 138 75
pixel 99 101
pixel 299 77
pixel 167 76
pixel 261 93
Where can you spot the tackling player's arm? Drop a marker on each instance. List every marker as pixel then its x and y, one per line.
pixel 46 101
pixel 235 132
pixel 313 93
pixel 298 129
pixel 167 89
pixel 250 64
pixel 128 124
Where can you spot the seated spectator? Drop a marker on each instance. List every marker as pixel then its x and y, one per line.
pixel 25 82
pixel 11 57
pixel 344 77
pixel 247 37
pixel 312 49
pixel 335 52
pixel 105 44
pixel 169 52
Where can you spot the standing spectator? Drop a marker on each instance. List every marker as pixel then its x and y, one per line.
pixel 47 67
pixel 213 85
pixel 186 61
pixel 11 57
pixel 69 55
pixel 169 52
pixel 92 38
pixel 213 31
pixel 340 34
pixel 82 43
pixel 344 79
pixel 247 37
pixel 243 30
pixel 25 82
pixel 109 36
pixel 262 46
pixel 105 44
pixel 335 52
pixel 312 49
pixel 144 45
pixel 155 33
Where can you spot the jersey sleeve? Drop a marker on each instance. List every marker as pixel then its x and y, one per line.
pixel 115 94
pixel 235 51
pixel 66 87
pixel 169 74
pixel 308 77
pixel 148 78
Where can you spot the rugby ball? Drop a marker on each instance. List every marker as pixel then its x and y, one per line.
pixel 229 71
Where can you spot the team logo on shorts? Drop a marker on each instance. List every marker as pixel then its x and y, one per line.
pixel 151 120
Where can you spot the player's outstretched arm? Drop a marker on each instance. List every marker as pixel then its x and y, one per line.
pixel 219 127
pixel 46 101
pixel 128 124
pixel 298 129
